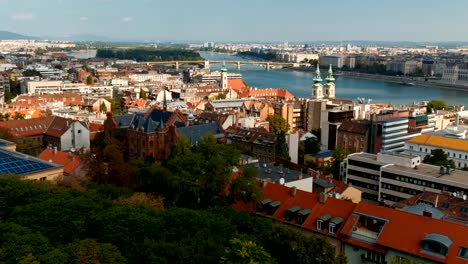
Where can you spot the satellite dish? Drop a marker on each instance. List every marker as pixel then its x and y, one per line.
pixel 281 181
pixel 464 197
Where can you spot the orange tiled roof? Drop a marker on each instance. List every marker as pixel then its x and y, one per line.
pixel 404 231
pixel 271 93
pixel 236 84
pixel 69 161
pixel 28 101
pixel 440 142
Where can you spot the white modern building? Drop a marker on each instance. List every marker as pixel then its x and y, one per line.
pixel 392 178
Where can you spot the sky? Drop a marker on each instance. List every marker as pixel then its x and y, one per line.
pixel 239 20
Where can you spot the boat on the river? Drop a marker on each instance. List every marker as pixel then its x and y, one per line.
pixel 407 83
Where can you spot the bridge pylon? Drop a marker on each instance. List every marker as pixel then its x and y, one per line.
pixel 238 65
pixel 207 64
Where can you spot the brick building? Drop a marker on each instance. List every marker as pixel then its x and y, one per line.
pixel 352 135
pixel 153 133
pixel 260 143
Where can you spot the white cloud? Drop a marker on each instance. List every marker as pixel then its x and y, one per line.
pixel 84 18
pixel 127 19
pixel 23 16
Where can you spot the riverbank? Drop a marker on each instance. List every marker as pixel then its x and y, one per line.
pixel 418 81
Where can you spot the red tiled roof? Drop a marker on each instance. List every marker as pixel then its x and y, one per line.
pixel 27 127
pixel 28 101
pixel 69 161
pixel 404 231
pixel 333 207
pixel 236 84
pixel 59 126
pixel 271 93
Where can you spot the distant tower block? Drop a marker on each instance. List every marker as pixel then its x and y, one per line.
pixel 317 88
pixel 224 79
pixel 207 64
pixel 330 85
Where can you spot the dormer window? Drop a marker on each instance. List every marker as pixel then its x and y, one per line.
pixel 302 215
pixel 322 220
pixel 319 225
pixel 463 252
pixel 334 224
pixel 436 244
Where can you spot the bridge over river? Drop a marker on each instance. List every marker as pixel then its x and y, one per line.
pixel 206 63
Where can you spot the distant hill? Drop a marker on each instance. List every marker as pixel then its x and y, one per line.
pixel 12 35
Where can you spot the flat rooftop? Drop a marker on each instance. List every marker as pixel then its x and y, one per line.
pixel 363 155
pixel 456 177
pixel 274 173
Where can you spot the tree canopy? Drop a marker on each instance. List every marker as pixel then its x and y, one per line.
pixel 277 124
pixel 84 222
pixel 149 54
pixel 436 105
pixel 438 157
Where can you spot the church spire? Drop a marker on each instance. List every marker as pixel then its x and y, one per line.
pixel 318 77
pixel 330 78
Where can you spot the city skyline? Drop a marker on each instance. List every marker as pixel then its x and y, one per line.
pixel 209 20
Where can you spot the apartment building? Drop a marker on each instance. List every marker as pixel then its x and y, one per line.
pixel 392 178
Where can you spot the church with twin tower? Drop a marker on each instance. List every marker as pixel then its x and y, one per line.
pixel 317 87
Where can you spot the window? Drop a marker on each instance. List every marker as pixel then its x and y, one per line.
pixel 331 229
pixel 319 225
pixel 463 252
pixel 43 179
pixel 79 131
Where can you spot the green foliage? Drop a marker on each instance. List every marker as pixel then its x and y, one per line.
pixel 143 94
pixel 282 148
pixel 57 224
pixel 311 145
pixel 245 251
pixel 277 124
pixel 116 108
pixel 438 157
pixel 262 55
pixel 149 54
pixel 200 173
pixel 102 108
pixel 89 80
pixel 339 154
pixel 436 105
pixel 401 260
pixel 244 188
pixel 31 72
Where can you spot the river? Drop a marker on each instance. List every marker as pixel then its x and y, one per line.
pixel 300 83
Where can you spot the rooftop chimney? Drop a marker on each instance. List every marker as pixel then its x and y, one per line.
pixel 427 213
pixel 55 150
pixel 293 191
pixel 323 197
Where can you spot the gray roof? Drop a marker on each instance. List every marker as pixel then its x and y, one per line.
pixel 196 132
pixel 323 183
pixel 156 119
pixel 274 173
pixel 441 239
pixel 420 208
pixel 124 121
pixel 4 143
